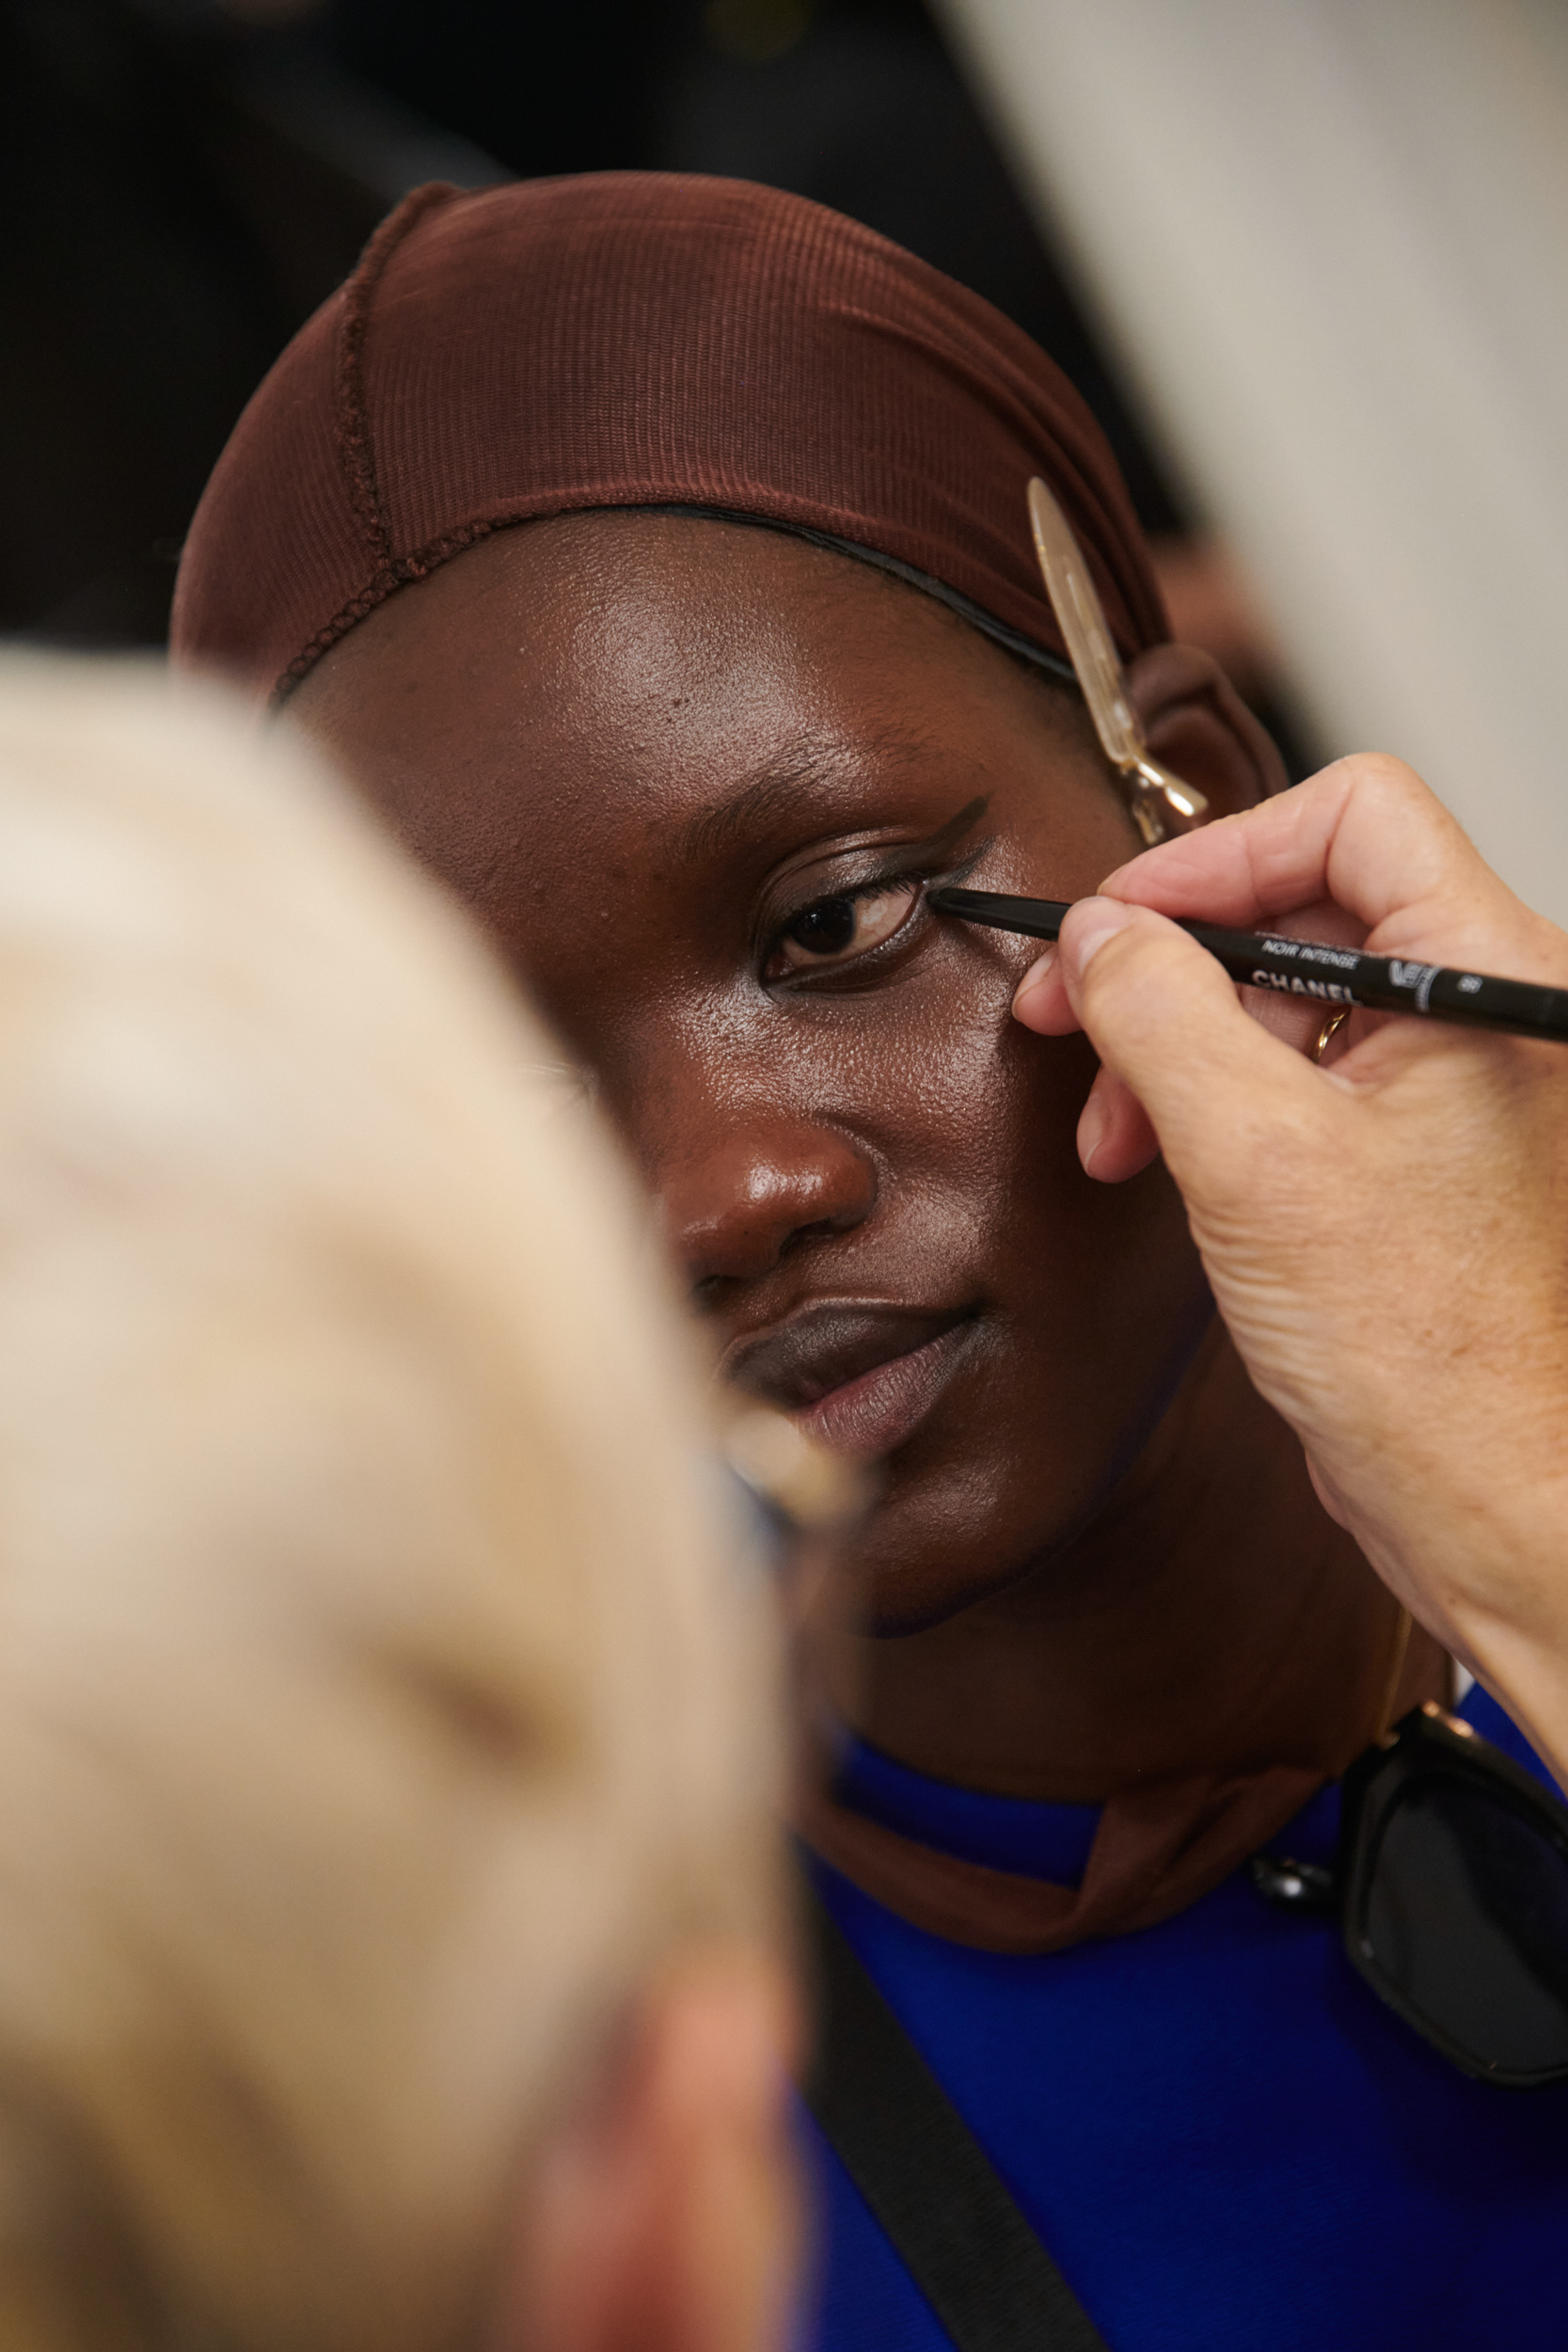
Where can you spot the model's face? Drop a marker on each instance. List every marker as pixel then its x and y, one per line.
pixel 693 777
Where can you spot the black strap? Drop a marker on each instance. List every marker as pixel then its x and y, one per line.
pixel 925 2175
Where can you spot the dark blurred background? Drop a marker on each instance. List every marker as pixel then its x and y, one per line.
pixel 185 182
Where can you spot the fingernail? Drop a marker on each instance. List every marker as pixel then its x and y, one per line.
pixel 1091 1134
pixel 1034 979
pixel 1102 921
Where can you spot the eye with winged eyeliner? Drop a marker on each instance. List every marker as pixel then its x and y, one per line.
pixel 835 929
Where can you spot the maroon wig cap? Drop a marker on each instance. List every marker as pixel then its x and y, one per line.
pixel 641 339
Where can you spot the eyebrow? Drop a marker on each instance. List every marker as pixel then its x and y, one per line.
pixel 776 789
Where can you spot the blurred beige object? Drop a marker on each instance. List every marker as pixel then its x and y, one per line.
pixel 380 1704
pixel 1211 603
pixel 1331 242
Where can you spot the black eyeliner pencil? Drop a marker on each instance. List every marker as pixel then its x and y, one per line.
pixel 1306 967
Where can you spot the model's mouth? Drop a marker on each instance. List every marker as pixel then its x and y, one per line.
pixel 860 1379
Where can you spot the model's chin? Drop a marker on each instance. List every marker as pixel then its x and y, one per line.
pixel 926 1550
pixel 961 1515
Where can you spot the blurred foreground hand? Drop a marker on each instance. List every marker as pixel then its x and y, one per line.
pixel 1386 1234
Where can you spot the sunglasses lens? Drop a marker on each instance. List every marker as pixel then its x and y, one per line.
pixel 1465 1927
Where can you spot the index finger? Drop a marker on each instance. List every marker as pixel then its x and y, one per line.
pixel 1367 833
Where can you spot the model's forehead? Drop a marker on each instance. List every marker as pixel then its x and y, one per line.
pixel 647 694
pixel 700 589
pixel 645 636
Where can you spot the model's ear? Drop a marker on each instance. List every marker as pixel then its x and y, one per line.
pixel 1198 726
pixel 663 2216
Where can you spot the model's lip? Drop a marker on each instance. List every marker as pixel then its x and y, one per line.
pixel 860 1377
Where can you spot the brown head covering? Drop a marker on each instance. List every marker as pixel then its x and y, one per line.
pixel 639 339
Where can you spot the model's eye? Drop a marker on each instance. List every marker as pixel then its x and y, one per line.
pixel 835 930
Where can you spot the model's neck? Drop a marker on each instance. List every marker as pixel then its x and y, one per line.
pixel 1212 1619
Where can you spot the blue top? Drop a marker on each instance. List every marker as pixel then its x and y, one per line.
pixel 1224 2140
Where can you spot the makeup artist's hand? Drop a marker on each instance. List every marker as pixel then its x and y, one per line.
pixel 1386 1234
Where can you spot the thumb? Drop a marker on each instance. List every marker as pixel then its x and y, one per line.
pixel 1166 1020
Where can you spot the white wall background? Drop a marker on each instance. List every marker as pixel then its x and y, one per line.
pixel 1330 241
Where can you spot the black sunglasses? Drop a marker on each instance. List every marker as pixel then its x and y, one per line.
pixel 1450 1888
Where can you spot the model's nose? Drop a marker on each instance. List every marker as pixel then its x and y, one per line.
pixel 736 1211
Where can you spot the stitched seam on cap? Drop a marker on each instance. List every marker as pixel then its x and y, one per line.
pixel 394 574
pixel 355 440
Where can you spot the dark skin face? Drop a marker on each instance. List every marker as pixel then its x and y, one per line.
pixel 693 777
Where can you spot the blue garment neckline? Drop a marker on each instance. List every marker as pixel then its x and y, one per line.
pixel 1022 1834
pixel 1051 1841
